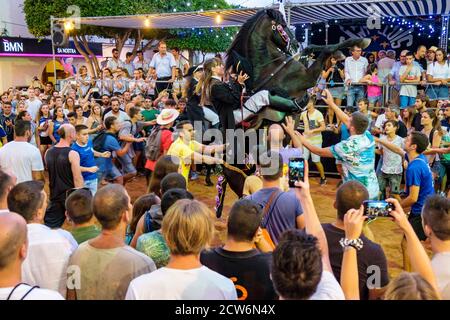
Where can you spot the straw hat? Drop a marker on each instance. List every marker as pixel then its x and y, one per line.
pixel 167 116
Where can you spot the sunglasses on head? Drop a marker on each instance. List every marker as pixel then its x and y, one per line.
pixel 70 191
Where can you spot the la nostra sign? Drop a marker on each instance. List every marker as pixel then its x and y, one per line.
pixel 24 47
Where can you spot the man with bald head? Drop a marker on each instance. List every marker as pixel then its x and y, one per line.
pixel 7 182
pixel 13 251
pixel 106 264
pixel 48 250
pixel 64 173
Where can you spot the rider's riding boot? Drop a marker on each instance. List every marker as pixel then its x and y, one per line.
pixel 283 104
pixel 302 102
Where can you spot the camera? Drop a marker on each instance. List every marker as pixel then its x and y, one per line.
pixel 296 171
pixel 377 209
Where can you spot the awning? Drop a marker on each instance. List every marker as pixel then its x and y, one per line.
pixel 319 11
pixel 305 12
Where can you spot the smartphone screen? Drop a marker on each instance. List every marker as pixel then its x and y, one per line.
pixel 296 171
pixel 377 209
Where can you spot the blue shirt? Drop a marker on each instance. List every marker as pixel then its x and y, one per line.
pixel 283 213
pixel 419 174
pixel 357 154
pixel 56 126
pixel 111 144
pixel 87 159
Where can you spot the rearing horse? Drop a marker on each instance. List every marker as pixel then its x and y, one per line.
pixel 266 50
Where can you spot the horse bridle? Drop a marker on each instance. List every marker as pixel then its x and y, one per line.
pixel 278 29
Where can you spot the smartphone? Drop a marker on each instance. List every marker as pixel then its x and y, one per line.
pixel 296 171
pixel 377 209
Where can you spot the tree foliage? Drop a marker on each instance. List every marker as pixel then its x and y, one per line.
pixel 38 13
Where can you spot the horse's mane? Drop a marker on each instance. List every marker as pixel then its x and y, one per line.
pixel 240 43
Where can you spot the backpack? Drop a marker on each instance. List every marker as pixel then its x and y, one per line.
pixel 99 141
pixel 153 145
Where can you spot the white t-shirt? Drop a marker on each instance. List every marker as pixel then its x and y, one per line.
pixel 328 288
pixel 22 158
pixel 314 121
pixel 35 294
pixel 439 71
pixel 392 162
pixel 409 90
pixel 33 107
pixel 48 256
pixel 120 118
pixel 174 284
pixel 441 268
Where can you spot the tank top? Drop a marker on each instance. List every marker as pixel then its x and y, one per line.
pixel 374 91
pixel 60 172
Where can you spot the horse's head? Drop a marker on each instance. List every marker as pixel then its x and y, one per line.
pixel 281 35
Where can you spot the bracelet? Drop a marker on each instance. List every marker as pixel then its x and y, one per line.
pixel 355 243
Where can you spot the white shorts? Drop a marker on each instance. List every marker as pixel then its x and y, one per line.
pixel 306 153
pixel 252 106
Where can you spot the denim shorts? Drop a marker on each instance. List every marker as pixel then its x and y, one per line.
pixel 111 173
pixel 127 164
pixel 392 180
pixel 438 92
pixel 92 185
pixel 375 99
pixel 337 92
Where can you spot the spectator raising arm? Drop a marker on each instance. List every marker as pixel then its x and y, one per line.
pixel 289 127
pixel 329 100
pixel 312 222
pixel 353 222
pixel 418 256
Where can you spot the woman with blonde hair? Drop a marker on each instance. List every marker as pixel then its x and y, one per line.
pixel 187 229
pixel 410 286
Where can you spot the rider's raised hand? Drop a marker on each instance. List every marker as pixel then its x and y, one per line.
pixel 242 77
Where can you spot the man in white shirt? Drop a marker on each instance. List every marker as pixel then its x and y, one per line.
pixel 48 250
pixel 298 253
pixel 385 65
pixel 7 182
pixel 116 112
pixel 164 64
pixel 115 62
pixel 180 61
pixel 355 70
pixel 13 248
pixel 106 265
pixel 24 159
pixel 33 104
pixel 141 63
pixel 436 221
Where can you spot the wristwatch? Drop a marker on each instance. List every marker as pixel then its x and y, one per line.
pixel 355 243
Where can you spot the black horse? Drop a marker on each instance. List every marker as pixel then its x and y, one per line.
pixel 267 51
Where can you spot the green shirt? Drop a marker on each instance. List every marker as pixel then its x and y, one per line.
pixel 83 234
pixel 154 246
pixel 149 115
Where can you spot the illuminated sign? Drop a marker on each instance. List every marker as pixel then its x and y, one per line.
pixel 23 47
pixel 9 46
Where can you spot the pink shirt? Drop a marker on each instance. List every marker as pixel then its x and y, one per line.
pixel 374 91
